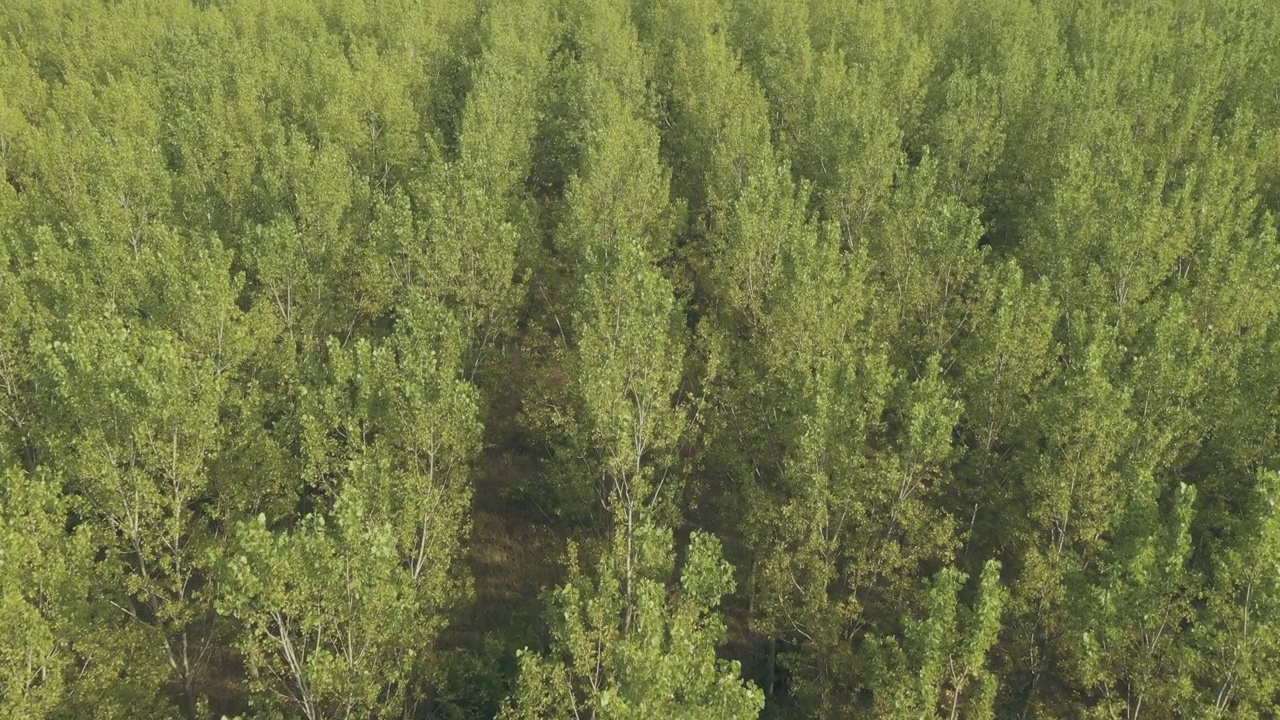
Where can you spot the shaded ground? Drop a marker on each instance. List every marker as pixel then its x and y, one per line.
pixel 514 552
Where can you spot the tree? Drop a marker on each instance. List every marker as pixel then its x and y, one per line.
pixel 65 651
pixel 625 644
pixel 940 666
pixel 342 609
pixel 876 293
pixel 620 417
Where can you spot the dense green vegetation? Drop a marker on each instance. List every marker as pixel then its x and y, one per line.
pixel 639 359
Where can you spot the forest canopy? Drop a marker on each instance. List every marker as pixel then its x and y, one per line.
pixel 639 359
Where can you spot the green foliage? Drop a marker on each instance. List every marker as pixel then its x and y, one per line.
pixel 342 611
pixel 940 667
pixel 627 644
pixel 65 650
pixel 615 424
pixel 326 324
pixel 334 619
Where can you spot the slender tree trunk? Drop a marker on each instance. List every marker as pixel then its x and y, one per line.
pixel 769 668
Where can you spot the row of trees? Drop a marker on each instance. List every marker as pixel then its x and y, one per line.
pixel 867 359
